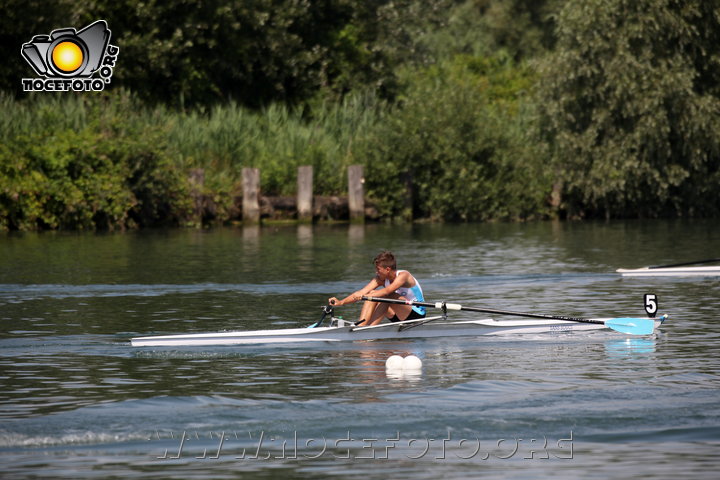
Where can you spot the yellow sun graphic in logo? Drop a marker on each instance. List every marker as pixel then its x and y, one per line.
pixel 67 56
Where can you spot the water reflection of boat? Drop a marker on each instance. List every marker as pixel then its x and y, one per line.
pixel 629 346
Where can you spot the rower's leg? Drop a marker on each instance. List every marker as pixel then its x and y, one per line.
pixel 381 311
pixel 374 312
pixel 401 311
pixel 366 313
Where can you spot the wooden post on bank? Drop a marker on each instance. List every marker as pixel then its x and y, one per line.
pixel 305 193
pixel 356 193
pixel 251 195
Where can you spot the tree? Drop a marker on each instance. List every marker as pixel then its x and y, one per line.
pixel 522 28
pixel 19 22
pixel 456 148
pixel 198 53
pixel 630 105
pixel 190 53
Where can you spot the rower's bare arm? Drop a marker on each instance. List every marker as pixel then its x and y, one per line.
pixel 355 296
pixel 403 279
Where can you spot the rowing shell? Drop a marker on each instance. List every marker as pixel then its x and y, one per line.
pixel 341 331
pixel 669 272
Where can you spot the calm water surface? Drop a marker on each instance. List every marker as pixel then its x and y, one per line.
pixel 77 401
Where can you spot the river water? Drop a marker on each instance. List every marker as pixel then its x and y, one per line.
pixel 77 401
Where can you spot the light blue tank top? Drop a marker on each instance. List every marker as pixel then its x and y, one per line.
pixel 415 294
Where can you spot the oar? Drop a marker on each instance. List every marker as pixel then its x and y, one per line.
pixel 632 326
pixel 696 262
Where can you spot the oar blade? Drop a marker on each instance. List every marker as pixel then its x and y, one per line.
pixel 632 326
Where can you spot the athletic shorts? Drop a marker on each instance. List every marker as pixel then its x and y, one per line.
pixel 413 316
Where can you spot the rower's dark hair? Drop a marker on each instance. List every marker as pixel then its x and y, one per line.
pixel 386 259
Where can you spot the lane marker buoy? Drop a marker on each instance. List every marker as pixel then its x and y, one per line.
pixel 394 362
pixel 398 366
pixel 411 362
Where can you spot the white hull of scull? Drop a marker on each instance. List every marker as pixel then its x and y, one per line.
pixel 670 272
pixel 382 332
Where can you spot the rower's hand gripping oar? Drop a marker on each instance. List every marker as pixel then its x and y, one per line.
pixel 632 326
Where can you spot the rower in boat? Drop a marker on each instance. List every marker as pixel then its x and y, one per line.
pixel 388 282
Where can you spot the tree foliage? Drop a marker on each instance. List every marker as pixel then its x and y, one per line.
pixel 461 110
pixel 520 28
pixel 187 53
pixel 99 169
pixel 631 107
pixel 457 149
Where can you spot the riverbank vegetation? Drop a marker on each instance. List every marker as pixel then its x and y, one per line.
pixel 469 110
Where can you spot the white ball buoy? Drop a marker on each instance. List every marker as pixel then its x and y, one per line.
pixel 395 362
pixel 413 363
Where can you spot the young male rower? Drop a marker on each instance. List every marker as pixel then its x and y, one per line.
pixel 389 282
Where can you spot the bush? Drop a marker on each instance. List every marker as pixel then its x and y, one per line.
pixel 92 168
pixel 277 140
pixel 457 149
pixel 108 162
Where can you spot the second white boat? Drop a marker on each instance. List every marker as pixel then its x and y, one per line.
pixel 670 272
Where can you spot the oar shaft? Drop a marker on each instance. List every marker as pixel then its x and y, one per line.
pixel 455 306
pixel 530 315
pixel 633 326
